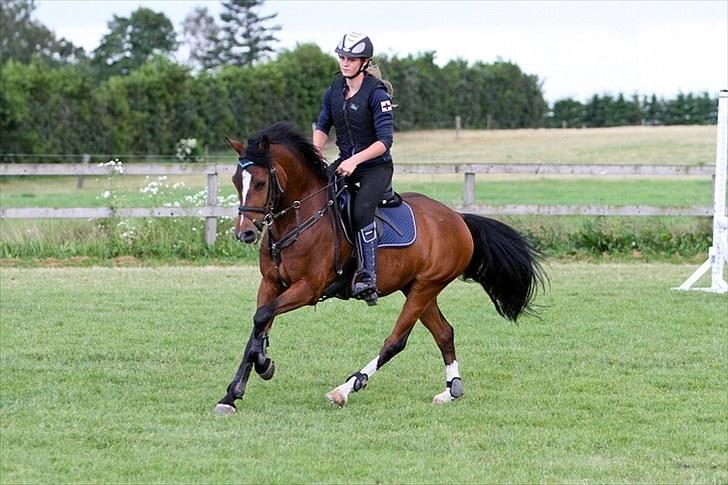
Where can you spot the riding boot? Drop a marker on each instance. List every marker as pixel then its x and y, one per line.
pixel 364 285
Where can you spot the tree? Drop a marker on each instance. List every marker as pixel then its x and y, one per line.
pixel 567 113
pixel 134 40
pixel 244 38
pixel 201 34
pixel 24 38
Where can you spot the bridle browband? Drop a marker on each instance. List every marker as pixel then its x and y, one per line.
pixel 270 214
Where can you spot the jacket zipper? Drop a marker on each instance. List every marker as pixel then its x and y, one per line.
pixel 348 129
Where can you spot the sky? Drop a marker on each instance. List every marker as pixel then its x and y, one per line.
pixel 577 48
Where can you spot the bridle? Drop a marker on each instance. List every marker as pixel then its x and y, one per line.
pixel 270 215
pixel 274 190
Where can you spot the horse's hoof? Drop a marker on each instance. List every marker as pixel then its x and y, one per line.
pixel 337 398
pixel 269 371
pixel 224 409
pixel 444 398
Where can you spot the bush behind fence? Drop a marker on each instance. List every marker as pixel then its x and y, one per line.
pixel 64 109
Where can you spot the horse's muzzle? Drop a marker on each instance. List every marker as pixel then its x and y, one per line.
pixel 248 236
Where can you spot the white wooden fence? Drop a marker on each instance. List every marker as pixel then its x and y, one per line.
pixel 212 210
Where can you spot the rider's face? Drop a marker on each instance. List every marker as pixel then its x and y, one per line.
pixel 350 65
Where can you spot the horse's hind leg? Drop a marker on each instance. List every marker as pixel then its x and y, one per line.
pixel 418 298
pixel 444 336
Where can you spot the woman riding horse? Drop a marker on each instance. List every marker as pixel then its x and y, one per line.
pixel 283 187
pixel 358 105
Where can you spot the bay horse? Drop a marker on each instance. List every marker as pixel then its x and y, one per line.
pixel 285 193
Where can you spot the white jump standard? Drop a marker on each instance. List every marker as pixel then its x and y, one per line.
pixel 718 253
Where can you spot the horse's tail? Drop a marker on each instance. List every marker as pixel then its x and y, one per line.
pixel 505 264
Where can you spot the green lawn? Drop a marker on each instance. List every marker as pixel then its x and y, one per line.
pixel 652 145
pixel 110 375
pixel 673 192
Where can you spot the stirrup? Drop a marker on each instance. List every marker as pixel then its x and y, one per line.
pixel 365 290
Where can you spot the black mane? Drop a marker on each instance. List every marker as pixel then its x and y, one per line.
pixel 284 133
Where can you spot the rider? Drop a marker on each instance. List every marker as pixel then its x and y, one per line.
pixel 359 106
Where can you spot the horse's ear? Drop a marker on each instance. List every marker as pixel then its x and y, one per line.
pixel 235 145
pixel 265 143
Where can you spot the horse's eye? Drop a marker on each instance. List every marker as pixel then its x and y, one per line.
pixel 259 185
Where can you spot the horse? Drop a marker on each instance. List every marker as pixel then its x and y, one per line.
pixel 286 196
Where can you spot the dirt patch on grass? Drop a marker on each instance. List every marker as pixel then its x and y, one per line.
pixel 126 261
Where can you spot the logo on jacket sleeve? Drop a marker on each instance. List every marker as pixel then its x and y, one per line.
pixel 386 106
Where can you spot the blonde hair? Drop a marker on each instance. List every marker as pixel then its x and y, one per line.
pixel 374 70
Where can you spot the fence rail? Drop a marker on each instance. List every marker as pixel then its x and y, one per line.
pixel 212 211
pixel 75 169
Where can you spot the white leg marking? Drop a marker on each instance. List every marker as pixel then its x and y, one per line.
pixel 340 395
pixel 451 372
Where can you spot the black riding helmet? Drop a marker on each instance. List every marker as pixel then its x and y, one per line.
pixel 356 45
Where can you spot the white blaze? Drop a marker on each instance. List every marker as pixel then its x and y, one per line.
pixel 246 184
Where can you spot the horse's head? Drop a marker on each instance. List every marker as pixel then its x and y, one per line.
pixel 259 182
pixel 275 172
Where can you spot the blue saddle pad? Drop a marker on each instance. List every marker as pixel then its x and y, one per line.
pixel 398 226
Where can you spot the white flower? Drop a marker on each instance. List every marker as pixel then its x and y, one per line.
pixel 106 194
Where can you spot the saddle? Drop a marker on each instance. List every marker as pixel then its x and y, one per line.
pixel 393 217
pixel 395 223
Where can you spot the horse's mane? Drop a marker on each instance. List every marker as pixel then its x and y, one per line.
pixel 284 133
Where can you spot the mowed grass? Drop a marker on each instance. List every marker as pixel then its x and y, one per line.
pixel 666 192
pixel 658 145
pixel 110 375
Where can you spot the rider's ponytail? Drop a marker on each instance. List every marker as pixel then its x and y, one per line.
pixel 374 70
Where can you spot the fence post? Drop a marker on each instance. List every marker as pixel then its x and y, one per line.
pixel 469 189
pixel 211 222
pixel 458 126
pixel 79 180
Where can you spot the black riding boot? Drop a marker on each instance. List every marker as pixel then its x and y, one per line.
pixel 364 285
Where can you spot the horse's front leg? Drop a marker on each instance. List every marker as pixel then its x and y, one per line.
pixel 270 304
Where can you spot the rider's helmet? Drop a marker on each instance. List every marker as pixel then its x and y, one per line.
pixel 354 44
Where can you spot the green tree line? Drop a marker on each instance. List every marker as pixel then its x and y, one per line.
pixel 605 110
pixel 47 108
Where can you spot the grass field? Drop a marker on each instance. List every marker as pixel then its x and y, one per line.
pixel 110 375
pixel 663 145
pixel 667 192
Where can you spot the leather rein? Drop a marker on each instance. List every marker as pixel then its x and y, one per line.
pixel 270 215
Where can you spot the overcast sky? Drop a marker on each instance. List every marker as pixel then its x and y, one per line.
pixel 576 48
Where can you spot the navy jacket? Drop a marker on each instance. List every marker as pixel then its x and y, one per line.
pixel 361 120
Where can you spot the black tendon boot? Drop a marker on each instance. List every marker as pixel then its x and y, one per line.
pixel 364 285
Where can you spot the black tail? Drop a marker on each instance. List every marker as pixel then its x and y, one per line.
pixel 505 264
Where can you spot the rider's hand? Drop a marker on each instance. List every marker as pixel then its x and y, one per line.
pixel 347 167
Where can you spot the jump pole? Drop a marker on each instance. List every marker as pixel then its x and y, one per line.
pixel 718 253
